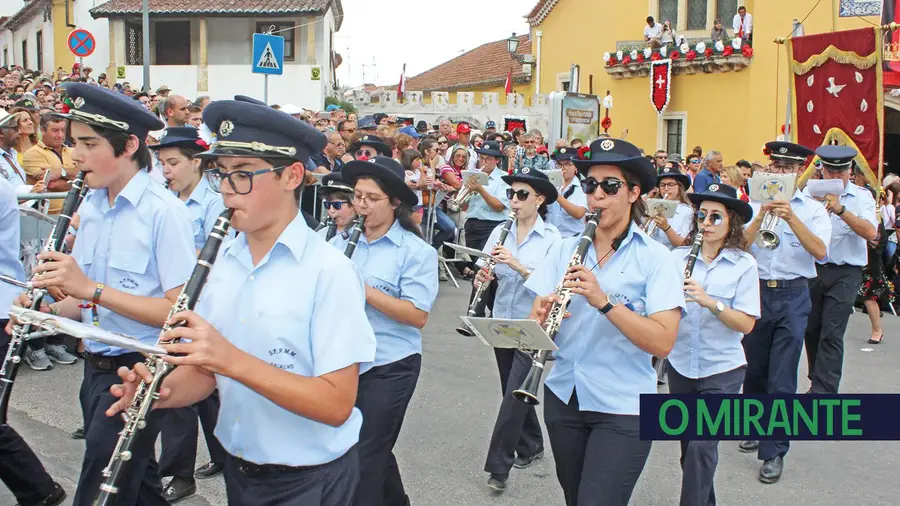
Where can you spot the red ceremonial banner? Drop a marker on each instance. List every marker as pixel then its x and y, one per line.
pixel 660 84
pixel 839 94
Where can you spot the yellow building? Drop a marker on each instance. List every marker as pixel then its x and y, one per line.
pixel 734 109
pixel 35 36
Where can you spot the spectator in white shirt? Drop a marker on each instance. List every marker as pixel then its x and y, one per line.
pixel 652 32
pixel 743 24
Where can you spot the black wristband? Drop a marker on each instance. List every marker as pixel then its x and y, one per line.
pixel 843 209
pixel 607 308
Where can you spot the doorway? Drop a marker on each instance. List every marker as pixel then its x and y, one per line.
pixel 173 42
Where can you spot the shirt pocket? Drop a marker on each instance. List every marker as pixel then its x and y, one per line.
pixel 385 276
pixel 789 237
pixel 723 291
pixel 128 272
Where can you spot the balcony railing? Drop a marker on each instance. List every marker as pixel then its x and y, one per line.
pixel 632 58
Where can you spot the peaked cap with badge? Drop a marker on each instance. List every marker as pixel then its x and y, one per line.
pixel 564 154
pixel 385 169
pixel 836 158
pixel 670 172
pixel 335 182
pixel 622 154
pixel 788 151
pixel 535 178
pixel 258 131
pixel 491 148
pixel 108 109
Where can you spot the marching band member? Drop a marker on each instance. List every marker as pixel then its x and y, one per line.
pixel 773 347
pixel 338 202
pixel 401 273
pixel 567 213
pixel 369 146
pixel 673 185
pixel 176 151
pixel 627 301
pixel 723 304
pixel 487 208
pixel 133 251
pixel 839 275
pixel 517 440
pixel 287 373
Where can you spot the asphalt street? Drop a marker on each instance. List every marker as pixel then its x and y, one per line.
pixel 442 446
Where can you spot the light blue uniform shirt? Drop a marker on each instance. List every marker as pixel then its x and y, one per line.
pixel 595 357
pixel 846 246
pixel 301 309
pixel 142 246
pixel 204 206
pixel 479 209
pixel 790 260
pixel 404 267
pixel 513 300
pixel 9 247
pixel 563 221
pixel 706 346
pixel 681 222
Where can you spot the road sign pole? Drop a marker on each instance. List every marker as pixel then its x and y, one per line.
pixel 266 89
pixel 145 28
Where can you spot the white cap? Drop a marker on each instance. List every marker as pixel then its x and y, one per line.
pixel 291 109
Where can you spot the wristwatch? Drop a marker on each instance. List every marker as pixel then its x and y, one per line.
pixel 63 173
pixel 526 274
pixel 608 307
pixel 843 208
pixel 719 308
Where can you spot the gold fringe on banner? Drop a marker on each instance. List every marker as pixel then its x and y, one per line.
pixel 838 55
pixel 842 139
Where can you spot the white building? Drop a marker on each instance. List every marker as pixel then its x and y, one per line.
pixel 203 47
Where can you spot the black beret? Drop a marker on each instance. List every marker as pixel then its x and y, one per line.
pixel 247 129
pixel 104 108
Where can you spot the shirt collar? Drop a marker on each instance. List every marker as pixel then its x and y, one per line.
pixel 132 192
pixel 394 234
pixel 294 237
pixel 200 191
pixel 539 228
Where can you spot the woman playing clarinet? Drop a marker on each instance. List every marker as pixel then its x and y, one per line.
pixel 517 440
pixel 626 304
pixel 722 291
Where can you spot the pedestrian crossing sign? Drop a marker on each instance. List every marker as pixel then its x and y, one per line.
pixel 268 54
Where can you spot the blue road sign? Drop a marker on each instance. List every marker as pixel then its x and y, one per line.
pixel 81 43
pixel 268 54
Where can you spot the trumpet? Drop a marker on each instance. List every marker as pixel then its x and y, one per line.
pixel 766 238
pixel 490 263
pixel 528 392
pixel 649 227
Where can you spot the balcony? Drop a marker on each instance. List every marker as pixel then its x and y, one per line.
pixel 632 58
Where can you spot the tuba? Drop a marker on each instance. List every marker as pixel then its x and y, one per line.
pixel 489 263
pixel 528 392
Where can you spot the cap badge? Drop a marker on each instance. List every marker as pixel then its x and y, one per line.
pixel 79 102
pixel 607 145
pixel 562 150
pixel 782 150
pixel 225 128
pixel 526 170
pixel 331 182
pixel 163 135
pixel 713 188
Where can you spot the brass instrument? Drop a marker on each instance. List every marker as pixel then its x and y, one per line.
pixel 462 198
pixel 490 263
pixel 528 392
pixel 767 238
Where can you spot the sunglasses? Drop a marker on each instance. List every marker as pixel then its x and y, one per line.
pixel 522 195
pixel 715 218
pixel 368 153
pixel 335 204
pixel 609 186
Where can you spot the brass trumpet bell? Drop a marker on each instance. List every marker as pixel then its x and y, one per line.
pixel 766 238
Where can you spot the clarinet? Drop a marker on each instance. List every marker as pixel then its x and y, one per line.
pixel 332 231
pixel 695 252
pixel 324 223
pixel 528 393
pixel 20 333
pixel 355 232
pixel 136 414
pixel 490 263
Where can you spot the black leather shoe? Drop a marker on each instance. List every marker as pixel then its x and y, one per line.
pixel 55 498
pixel 523 462
pixel 208 470
pixel 77 433
pixel 749 446
pixel 178 489
pixel 770 472
pixel 497 482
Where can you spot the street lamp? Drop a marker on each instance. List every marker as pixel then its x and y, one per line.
pixel 512 44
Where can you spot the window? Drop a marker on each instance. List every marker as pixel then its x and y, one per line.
pixel 5 57
pixel 674 135
pixel 563 81
pixel 289 36
pixel 725 11
pixel 696 14
pixel 40 50
pixel 172 42
pixel 24 54
pixel 134 44
pixel 668 10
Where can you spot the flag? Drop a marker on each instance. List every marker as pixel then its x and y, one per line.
pixel 401 88
pixel 508 87
pixel 660 84
pixel 836 80
pixel 890 13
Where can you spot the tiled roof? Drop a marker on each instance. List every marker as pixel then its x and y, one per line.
pixel 119 8
pixel 25 14
pixel 540 11
pixel 486 65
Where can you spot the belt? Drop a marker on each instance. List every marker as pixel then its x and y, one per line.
pixel 831 265
pixel 105 363
pixel 248 468
pixel 783 283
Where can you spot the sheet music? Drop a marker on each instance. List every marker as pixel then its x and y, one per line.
pixel 820 187
pixel 556 178
pixel 769 187
pixel 666 208
pixel 480 176
pixel 514 334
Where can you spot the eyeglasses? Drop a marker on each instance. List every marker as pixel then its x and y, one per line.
pixel 365 199
pixel 335 204
pixel 715 218
pixel 609 186
pixel 350 130
pixel 368 153
pixel 443 142
pixel 522 195
pixel 241 181
pixel 663 186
